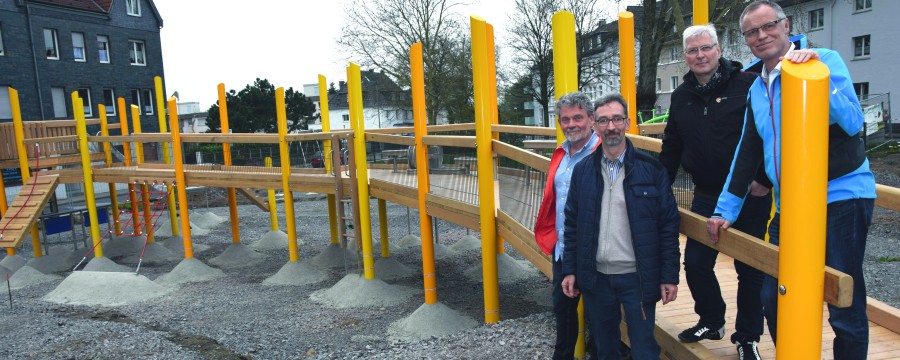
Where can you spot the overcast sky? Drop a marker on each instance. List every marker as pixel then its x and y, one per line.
pixel 288 42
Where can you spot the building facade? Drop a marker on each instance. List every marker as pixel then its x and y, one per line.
pixel 103 49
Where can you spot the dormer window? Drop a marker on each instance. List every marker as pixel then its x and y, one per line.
pixel 133 7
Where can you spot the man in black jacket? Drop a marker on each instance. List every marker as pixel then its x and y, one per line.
pixel 621 237
pixel 705 123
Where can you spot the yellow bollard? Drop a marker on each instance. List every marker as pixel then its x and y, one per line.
pixel 280 114
pixel 145 191
pixel 565 63
pixel 327 148
pixel 107 151
pixel 273 205
pixel 167 157
pixel 701 12
pixel 226 155
pixel 484 154
pixel 627 69
pixel 87 171
pixel 126 152
pixel 804 204
pixel 19 131
pixel 354 82
pixel 180 183
pixel 420 118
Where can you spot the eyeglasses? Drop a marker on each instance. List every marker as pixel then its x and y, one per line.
pixel 767 27
pixel 616 120
pixel 696 50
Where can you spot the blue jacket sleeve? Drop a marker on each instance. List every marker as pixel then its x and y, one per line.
pixel 668 223
pixel 844 108
pixel 672 147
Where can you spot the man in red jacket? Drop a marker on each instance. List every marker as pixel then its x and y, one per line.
pixel 576 118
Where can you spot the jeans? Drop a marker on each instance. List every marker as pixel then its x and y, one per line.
pixel 845 245
pixel 602 308
pixel 699 263
pixel 566 311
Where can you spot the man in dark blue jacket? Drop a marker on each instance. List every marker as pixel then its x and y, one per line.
pixel 621 237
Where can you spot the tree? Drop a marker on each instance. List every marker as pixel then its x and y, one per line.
pixel 379 34
pixel 253 110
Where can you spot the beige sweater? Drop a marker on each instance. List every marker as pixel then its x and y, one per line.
pixel 615 251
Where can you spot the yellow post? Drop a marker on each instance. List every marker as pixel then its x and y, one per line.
pixel 87 171
pixel 126 152
pixel 107 151
pixel 226 155
pixel 420 121
pixel 327 148
pixel 180 183
pixel 19 131
pixel 484 154
pixel 804 194
pixel 383 227
pixel 701 12
pixel 280 114
pixel 354 83
pixel 145 190
pixel 565 64
pixel 167 157
pixel 627 69
pixel 492 106
pixel 273 208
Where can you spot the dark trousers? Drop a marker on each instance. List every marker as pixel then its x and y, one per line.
pixel 566 311
pixel 700 261
pixel 845 245
pixel 604 304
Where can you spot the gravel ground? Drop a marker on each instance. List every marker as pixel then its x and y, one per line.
pixel 236 317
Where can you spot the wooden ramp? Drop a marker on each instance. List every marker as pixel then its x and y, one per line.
pixel 256 200
pixel 25 209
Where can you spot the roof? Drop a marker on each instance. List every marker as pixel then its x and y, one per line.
pixel 98 6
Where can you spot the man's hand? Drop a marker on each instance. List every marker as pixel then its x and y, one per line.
pixel 669 292
pixel 757 189
pixel 713 225
pixel 568 286
pixel 799 56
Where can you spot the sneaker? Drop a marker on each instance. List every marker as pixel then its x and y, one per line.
pixel 747 350
pixel 700 332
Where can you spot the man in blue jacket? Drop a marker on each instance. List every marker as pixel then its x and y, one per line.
pixel 621 237
pixel 851 186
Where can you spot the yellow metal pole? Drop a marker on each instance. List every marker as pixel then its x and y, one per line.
pixel 492 106
pixel 180 183
pixel 701 12
pixel 87 171
pixel 107 151
pixel 273 208
pixel 354 82
pixel 804 194
pixel 126 152
pixel 383 227
pixel 280 114
pixel 565 64
pixel 19 130
pixel 328 147
pixel 420 121
pixel 627 67
pixel 167 157
pixel 226 154
pixel 145 190
pixel 484 154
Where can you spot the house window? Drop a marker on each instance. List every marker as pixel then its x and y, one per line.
pixel 136 98
pixel 5 106
pixel 147 100
pixel 78 46
pixel 674 82
pixel 1 42
pixel 863 5
pixel 137 52
pixel 85 95
pixel 862 90
pixel 673 54
pixel 790 20
pixel 658 85
pixel 346 117
pixel 133 7
pixel 861 46
pixel 50 44
pixel 817 19
pixel 733 37
pixel 103 48
pixel 109 100
pixel 59 102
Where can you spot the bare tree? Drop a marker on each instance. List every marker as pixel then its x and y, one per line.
pixel 531 39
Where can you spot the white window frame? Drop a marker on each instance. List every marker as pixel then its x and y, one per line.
pixel 85 95
pixel 138 52
pixel 133 7
pixel 52 53
pixel 135 99
pixel 79 52
pixel 862 46
pixel 820 17
pixel 103 49
pixel 2 52
pixel 58 95
pixel 673 82
pixel 658 85
pixel 862 5
pixel 5 104
pixel 862 90
pixel 147 101
pixel 110 106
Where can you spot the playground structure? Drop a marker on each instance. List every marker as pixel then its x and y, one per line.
pixel 488 185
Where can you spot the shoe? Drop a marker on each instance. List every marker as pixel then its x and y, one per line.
pixel 700 332
pixel 747 350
